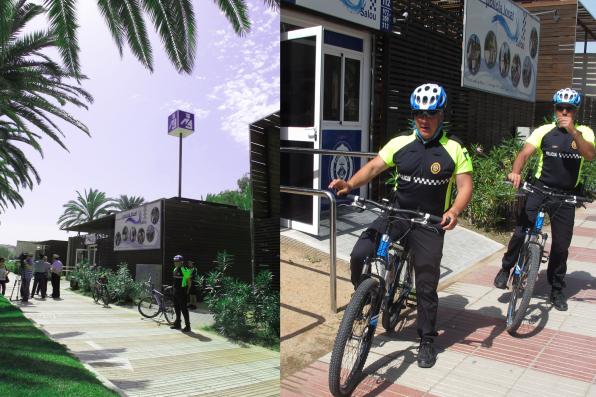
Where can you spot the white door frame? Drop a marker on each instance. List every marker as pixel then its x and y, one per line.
pixel 312 133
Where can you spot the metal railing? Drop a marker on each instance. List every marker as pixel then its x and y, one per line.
pixel 332 212
pixel 332 234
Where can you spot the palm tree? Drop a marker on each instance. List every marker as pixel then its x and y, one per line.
pixel 90 206
pixel 125 202
pixel 33 89
pixel 174 20
pixel 15 169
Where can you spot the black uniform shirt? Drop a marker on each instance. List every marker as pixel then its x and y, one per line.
pixel 426 170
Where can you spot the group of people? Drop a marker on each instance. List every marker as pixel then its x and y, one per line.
pixel 185 291
pixel 40 271
pixel 430 161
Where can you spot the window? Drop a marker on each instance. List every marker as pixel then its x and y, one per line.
pixel 298 82
pixel 332 90
pixel 352 90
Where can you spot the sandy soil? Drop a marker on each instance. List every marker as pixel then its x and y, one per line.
pixel 308 327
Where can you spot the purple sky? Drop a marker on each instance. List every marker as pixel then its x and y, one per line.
pixel 235 81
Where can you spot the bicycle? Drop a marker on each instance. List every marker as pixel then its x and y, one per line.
pixel 525 273
pixel 158 303
pixel 382 289
pixel 100 290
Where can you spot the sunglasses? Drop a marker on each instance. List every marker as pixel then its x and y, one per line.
pixel 560 108
pixel 425 113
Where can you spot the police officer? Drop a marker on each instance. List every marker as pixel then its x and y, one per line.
pixel 180 288
pixel 429 162
pixel 562 148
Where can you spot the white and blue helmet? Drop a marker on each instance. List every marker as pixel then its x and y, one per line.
pixel 428 97
pixel 567 95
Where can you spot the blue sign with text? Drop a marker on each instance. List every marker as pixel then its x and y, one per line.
pixel 181 123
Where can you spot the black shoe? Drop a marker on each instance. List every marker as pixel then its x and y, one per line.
pixel 176 326
pixel 558 300
pixel 427 356
pixel 501 279
pixel 186 329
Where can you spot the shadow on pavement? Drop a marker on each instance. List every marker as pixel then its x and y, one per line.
pixel 318 320
pixel 198 336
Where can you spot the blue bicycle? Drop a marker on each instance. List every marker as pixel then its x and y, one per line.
pixel 385 284
pixel 524 275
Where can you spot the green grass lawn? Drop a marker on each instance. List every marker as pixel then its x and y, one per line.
pixel 31 364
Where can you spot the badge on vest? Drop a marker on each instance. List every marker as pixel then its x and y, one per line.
pixel 573 145
pixel 435 168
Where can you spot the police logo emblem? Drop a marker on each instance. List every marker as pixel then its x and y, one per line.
pixel 573 145
pixel 341 167
pixel 435 168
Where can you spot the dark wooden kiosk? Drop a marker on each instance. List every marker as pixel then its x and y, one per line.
pixel 264 171
pixel 196 229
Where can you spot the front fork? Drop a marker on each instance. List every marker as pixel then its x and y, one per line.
pixel 532 236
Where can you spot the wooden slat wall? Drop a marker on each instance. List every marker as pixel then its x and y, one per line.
pixel 199 230
pixel 428 49
pixel 584 74
pixel 264 172
pixel 557 46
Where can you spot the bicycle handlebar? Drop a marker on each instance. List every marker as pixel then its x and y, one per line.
pixel 423 217
pixel 568 198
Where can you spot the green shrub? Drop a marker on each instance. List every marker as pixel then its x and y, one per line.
pixel 122 287
pixel 12 266
pixel 240 310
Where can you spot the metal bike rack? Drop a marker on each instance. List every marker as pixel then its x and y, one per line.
pixel 332 234
pixel 332 212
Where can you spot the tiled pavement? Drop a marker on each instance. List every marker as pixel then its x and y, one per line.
pixel 143 358
pixel 554 356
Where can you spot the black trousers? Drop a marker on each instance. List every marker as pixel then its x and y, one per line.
pixel 181 305
pixel 40 284
pixel 2 287
pixel 55 285
pixel 426 247
pixel 562 218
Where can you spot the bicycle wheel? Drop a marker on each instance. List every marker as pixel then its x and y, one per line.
pixel 397 298
pixel 353 340
pixel 149 307
pixel 523 287
pixel 168 309
pixel 95 294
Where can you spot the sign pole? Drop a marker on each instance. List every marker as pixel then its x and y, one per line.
pixel 180 124
pixel 180 168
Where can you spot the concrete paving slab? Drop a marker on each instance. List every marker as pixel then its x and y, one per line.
pixel 461 249
pixel 143 357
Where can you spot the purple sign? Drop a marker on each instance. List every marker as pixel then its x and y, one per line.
pixel 181 123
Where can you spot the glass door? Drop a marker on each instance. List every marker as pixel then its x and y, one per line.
pixel 301 71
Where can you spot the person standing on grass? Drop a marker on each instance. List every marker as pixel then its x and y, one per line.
pixel 3 277
pixel 39 274
pixel 26 275
pixel 56 271
pixel 180 288
pixel 192 289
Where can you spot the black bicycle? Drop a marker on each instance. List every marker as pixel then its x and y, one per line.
pixel 525 273
pixel 385 284
pixel 100 290
pixel 158 302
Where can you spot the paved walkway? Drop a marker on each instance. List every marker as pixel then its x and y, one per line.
pixel 140 357
pixel 462 247
pixel 556 355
